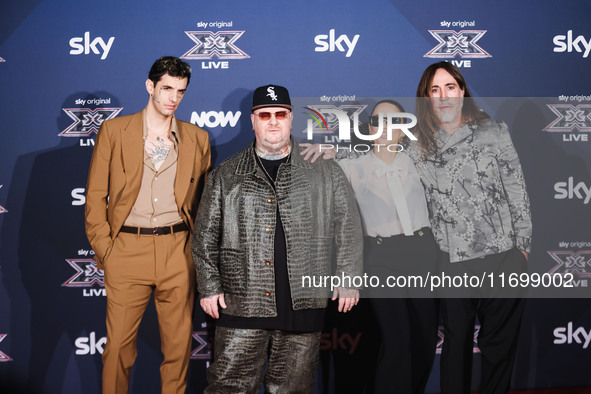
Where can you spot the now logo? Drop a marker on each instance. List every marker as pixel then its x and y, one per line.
pixel 215 119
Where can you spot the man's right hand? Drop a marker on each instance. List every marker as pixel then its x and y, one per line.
pixel 210 305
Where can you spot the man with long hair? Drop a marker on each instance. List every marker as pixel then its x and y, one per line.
pixel 480 216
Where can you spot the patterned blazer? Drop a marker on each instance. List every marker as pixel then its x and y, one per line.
pixel 476 194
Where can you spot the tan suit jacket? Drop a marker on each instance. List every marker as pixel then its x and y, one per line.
pixel 115 175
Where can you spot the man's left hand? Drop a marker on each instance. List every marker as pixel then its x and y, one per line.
pixel 314 151
pixel 348 298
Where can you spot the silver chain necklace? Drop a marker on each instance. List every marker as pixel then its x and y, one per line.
pixel 264 169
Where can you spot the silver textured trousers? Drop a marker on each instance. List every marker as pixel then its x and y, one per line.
pixel 240 356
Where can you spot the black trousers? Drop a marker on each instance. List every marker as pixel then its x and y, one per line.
pixel 500 320
pixel 408 326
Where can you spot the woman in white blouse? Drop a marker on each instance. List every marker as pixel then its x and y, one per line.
pixel 398 243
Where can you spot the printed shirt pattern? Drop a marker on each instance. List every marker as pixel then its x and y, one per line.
pixel 476 194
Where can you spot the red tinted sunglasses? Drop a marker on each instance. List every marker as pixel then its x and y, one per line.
pixel 279 115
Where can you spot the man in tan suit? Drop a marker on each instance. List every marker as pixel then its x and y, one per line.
pixel 145 179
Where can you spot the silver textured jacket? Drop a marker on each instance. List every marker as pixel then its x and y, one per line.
pixel 476 194
pixel 233 243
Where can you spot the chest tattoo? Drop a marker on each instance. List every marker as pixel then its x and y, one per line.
pixel 158 151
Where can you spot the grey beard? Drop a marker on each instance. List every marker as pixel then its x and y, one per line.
pixel 450 116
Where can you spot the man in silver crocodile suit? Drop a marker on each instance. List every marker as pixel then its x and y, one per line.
pixel 267 219
pixel 480 216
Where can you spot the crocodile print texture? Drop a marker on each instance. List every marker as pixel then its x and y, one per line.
pixel 231 242
pixel 241 355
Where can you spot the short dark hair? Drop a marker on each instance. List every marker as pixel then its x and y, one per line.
pixel 427 122
pixel 172 66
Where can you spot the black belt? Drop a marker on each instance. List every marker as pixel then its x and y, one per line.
pixel 156 230
pixel 379 240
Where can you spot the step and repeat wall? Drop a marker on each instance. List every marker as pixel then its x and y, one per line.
pixel 66 66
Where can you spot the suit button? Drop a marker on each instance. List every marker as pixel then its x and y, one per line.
pixel 421 233
pixel 267 262
pixel 270 200
pixel 379 240
pixel 267 293
pixel 192 180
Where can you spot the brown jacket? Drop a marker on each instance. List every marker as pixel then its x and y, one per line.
pixel 115 176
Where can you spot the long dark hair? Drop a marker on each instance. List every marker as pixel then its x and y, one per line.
pixel 388 101
pixel 427 122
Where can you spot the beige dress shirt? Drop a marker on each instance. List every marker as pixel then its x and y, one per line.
pixel 155 205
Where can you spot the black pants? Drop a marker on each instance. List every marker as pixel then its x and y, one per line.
pixel 500 320
pixel 408 326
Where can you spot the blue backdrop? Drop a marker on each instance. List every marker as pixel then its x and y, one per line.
pixel 66 66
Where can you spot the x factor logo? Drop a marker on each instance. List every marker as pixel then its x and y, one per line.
pixel 3 356
pixel 577 263
pixel 2 209
pixel 210 44
pixel 441 339
pixel 327 121
pixel 201 352
pixel 570 117
pixel 87 121
pixel 462 43
pixel 86 274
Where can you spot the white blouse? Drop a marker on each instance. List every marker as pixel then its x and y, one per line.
pixel 391 198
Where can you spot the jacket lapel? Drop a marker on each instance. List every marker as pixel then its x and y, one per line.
pixel 450 140
pixel 132 145
pixel 185 162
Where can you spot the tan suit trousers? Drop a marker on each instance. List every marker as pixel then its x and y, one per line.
pixel 136 266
